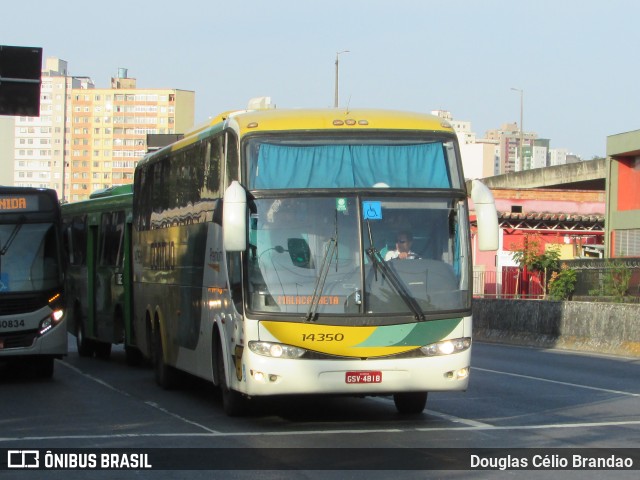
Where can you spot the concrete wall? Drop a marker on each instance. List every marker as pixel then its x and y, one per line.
pixel 609 328
pixel 590 174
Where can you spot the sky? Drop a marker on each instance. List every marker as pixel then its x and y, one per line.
pixel 575 61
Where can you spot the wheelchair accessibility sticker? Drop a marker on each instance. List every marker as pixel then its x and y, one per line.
pixel 372 210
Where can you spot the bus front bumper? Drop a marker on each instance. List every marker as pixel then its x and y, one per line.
pixel 275 376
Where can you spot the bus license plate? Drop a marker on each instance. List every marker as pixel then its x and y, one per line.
pixel 363 377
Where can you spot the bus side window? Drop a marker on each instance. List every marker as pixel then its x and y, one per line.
pixel 78 241
pixel 111 238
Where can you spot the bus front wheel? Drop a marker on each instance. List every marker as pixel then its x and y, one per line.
pixel 233 403
pixel 410 403
pixel 103 350
pixel 44 367
pixel 86 347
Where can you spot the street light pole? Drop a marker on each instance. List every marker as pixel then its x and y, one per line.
pixel 335 100
pixel 521 126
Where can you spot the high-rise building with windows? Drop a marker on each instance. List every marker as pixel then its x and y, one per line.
pixel 89 138
pixel 39 142
pixel 513 156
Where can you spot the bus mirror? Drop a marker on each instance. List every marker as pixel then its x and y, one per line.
pixel 299 252
pixel 486 215
pixel 234 218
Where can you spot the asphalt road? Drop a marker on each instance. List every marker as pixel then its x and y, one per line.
pixel 518 398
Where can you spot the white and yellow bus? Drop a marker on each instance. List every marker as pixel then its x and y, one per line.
pixel 259 256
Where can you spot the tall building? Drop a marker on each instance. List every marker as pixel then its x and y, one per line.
pixel 109 130
pixel 88 138
pixel 479 156
pixel 39 150
pixel 558 156
pixel 513 156
pixel 537 156
pixel 561 156
pixel 7 134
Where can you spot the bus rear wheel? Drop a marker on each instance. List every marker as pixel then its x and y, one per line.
pixel 166 375
pixel 410 403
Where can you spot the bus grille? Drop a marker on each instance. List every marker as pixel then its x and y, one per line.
pixel 18 340
pixel 22 304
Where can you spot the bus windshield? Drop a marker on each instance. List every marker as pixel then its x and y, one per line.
pixel 336 254
pixel 30 260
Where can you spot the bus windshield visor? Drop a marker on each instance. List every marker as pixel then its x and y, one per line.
pixel 350 163
pixel 30 259
pixel 358 255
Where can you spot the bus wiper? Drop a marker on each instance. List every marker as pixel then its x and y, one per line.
pixel 322 277
pixel 12 237
pixel 396 283
pixel 332 248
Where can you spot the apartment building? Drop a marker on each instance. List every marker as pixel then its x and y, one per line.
pixel 89 138
pixel 514 157
pixel 7 130
pixel 38 153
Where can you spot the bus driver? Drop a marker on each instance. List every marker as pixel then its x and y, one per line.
pixel 403 250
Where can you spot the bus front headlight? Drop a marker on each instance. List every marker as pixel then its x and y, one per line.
pixel 446 347
pixel 51 321
pixel 276 350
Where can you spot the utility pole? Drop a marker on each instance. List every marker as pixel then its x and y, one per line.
pixel 335 100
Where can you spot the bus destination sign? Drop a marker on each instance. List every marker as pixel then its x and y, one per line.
pixel 18 203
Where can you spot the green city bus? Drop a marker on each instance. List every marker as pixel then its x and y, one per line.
pixel 97 236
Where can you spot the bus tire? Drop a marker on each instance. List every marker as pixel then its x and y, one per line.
pixel 103 350
pixel 86 347
pixel 410 403
pixel 133 356
pixel 166 376
pixel 234 403
pixel 44 367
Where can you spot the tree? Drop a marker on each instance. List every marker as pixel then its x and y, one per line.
pixel 532 257
pixel 563 283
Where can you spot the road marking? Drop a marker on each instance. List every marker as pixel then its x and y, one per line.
pixel 94 379
pixel 465 424
pixel 317 432
pixel 453 419
pixel 569 384
pixel 183 419
pixel 444 416
pixel 539 427
pixel 122 392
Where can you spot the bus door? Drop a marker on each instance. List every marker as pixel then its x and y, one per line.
pixel 108 278
pixel 92 246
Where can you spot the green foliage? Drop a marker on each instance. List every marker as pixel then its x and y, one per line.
pixel 615 282
pixel 562 283
pixel 530 256
pixel 546 262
